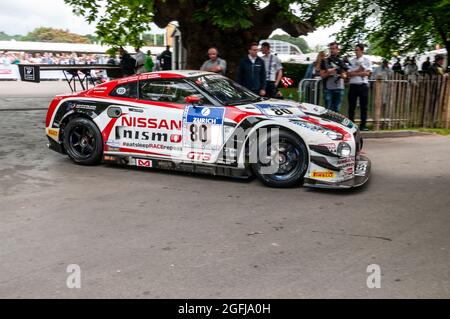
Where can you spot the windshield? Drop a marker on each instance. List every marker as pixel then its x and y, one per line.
pixel 225 90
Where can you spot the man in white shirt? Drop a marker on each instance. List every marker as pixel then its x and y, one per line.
pixel 140 58
pixel 359 73
pixel 274 70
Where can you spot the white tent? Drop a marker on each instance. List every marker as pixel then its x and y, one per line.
pixel 25 46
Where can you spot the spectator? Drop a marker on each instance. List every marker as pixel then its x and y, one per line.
pixel 426 65
pixel 251 72
pixel 438 66
pixel 140 58
pixel 316 65
pixel 359 72
pixel 127 63
pixel 407 61
pixel 411 68
pixel 397 67
pixel 274 70
pixel 382 72
pixel 165 59
pixel 149 64
pixel 333 71
pixel 214 64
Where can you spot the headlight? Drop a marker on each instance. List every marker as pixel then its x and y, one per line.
pixel 344 150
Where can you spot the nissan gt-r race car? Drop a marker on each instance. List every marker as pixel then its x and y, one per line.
pixel 202 122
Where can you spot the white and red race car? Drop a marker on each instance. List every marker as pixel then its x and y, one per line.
pixel 203 122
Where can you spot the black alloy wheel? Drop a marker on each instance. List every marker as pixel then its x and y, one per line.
pixel 284 161
pixel 83 141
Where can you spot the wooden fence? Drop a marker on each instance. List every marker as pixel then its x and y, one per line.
pixel 415 101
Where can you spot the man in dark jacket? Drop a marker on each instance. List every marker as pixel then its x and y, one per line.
pixel 165 59
pixel 252 72
pixel 127 63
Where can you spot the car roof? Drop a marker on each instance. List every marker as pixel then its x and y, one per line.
pixel 105 88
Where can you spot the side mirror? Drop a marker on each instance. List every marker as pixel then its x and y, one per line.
pixel 193 99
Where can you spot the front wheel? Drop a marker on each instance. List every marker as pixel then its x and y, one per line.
pixel 282 160
pixel 83 141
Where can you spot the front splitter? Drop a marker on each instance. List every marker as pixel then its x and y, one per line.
pixel 361 177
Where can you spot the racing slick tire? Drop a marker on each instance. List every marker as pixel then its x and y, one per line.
pixel 83 141
pixel 289 155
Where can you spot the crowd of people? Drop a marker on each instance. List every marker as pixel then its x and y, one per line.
pixel 141 62
pixel 334 70
pixel 51 58
pixel 262 75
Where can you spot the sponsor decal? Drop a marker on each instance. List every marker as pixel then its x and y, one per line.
pixel 151 146
pixel 140 135
pixel 348 162
pixel 153 123
pixel 324 175
pixel 330 146
pixel 85 107
pixel 110 158
pixel 276 110
pixel 203 127
pixel 205 115
pixel 176 138
pixel 206 111
pixel 199 156
pixel 29 74
pixel 348 171
pixel 143 163
pixel 361 168
pixel 71 106
pixel 53 133
pixel 121 91
pixel 149 76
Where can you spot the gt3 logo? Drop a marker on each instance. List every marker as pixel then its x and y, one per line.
pixel 143 163
pixel 199 156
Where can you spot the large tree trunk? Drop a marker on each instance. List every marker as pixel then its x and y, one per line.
pixel 232 45
pixel 198 37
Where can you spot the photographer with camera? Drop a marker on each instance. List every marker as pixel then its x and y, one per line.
pixel 333 70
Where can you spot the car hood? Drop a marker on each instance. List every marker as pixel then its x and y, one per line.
pixel 290 109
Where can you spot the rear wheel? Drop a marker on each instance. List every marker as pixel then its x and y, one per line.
pixel 83 141
pixel 283 160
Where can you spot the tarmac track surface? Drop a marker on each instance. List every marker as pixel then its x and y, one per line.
pixel 155 234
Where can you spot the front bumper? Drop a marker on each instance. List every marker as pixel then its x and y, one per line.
pixel 361 176
pixel 55 146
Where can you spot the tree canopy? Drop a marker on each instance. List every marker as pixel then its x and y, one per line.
pixel 389 26
pixel 43 34
pixel 229 25
pixel 393 26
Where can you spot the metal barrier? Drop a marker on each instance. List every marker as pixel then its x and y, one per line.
pixel 396 101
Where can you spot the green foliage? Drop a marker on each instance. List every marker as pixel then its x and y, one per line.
pixel 300 42
pixel 295 71
pixel 392 26
pixel 7 37
pixel 43 34
pixel 121 22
